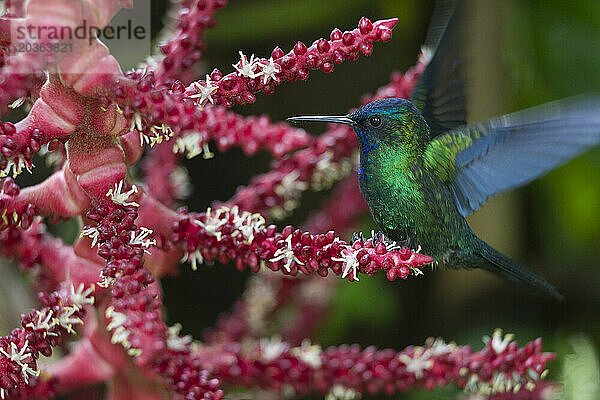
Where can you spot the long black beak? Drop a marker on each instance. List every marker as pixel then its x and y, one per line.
pixel 343 119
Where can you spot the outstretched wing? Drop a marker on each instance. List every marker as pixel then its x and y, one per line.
pixel 480 160
pixel 440 91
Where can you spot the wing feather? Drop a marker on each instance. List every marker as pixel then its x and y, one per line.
pixel 480 160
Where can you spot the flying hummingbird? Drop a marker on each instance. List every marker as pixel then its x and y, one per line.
pixel 423 169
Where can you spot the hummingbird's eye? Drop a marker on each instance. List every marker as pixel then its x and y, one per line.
pixel 375 121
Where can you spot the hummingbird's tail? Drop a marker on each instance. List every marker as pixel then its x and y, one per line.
pixel 509 269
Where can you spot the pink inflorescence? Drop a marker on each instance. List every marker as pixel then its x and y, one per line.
pixel 228 234
pixel 501 366
pixel 40 331
pixel 93 122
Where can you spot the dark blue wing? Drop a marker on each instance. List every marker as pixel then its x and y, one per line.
pixel 439 94
pixel 480 160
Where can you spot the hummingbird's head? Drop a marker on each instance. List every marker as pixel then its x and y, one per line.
pixel 392 121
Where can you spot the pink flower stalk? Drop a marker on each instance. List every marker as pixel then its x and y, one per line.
pixel 94 121
pixel 40 331
pixel 501 366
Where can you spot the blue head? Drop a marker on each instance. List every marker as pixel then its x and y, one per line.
pixel 391 123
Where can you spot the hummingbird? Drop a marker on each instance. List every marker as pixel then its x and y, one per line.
pixel 423 169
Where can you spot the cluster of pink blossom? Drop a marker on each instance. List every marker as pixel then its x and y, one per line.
pixel 93 121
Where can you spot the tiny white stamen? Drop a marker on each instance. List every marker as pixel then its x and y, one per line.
pixel 81 296
pixel 92 233
pixel 272 348
pixel 269 70
pixel 286 253
pixel 212 222
pixel 245 67
pixel 498 343
pixel 350 262
pixel 43 321
pixel 204 91
pixel 195 258
pixel 140 238
pixel 176 342
pixel 17 164
pixel 190 145
pixel 418 363
pixel 20 357
pixel 118 197
pixel 308 354
pixel 66 320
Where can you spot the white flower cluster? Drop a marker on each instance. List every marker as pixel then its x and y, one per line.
pixel 45 321
pixel 246 224
pixel 252 68
pixel 501 381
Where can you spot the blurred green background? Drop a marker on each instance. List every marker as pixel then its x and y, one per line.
pixel 525 53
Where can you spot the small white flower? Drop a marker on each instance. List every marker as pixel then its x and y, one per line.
pixel 245 67
pixel 350 262
pixel 118 197
pixel 190 144
pixel 417 363
pixel 286 253
pixel 43 321
pixel 195 258
pixel 498 343
pixel 204 91
pixel 92 232
pixel 269 70
pixel 81 296
pixel 176 342
pixel 439 347
pixel 140 238
pixel 212 222
pixel 339 392
pixel 66 320
pixel 247 224
pixel 272 348
pixel 309 354
pixel 21 358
